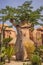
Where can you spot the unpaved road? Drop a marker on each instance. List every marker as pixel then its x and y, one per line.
pixel 17 63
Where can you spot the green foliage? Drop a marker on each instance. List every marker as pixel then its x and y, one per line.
pixel 3 50
pixel 24 10
pixel 1 63
pixel 9 49
pixel 9 52
pixel 22 13
pixel 41 47
pixel 41 52
pixel 2 54
pixel 25 13
pixel 36 60
pixel 7 40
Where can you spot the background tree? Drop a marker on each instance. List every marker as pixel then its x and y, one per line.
pixel 3 27
pixel 6 50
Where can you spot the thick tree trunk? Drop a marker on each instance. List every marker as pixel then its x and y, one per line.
pixel 19 45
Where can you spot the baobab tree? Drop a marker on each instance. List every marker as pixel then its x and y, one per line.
pixel 18 17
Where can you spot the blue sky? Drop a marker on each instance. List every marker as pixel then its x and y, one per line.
pixel 14 3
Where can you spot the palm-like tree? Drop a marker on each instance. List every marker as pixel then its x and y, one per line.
pixel 21 15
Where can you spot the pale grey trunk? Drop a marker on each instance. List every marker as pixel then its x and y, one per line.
pixel 19 45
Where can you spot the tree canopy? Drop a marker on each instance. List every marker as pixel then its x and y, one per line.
pixel 22 14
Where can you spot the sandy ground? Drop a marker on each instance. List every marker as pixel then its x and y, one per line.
pixel 17 63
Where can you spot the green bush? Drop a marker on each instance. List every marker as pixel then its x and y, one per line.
pixel 41 52
pixel 1 63
pixel 36 60
pixel 2 55
pixel 9 52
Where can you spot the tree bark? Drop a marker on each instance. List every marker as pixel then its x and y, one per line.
pixel 19 45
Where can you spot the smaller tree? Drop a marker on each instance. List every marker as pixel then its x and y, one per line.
pixel 9 48
pixel 4 49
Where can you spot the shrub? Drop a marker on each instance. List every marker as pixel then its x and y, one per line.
pixel 9 52
pixel 41 52
pixel 1 63
pixel 29 46
pixel 2 55
pixel 36 60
